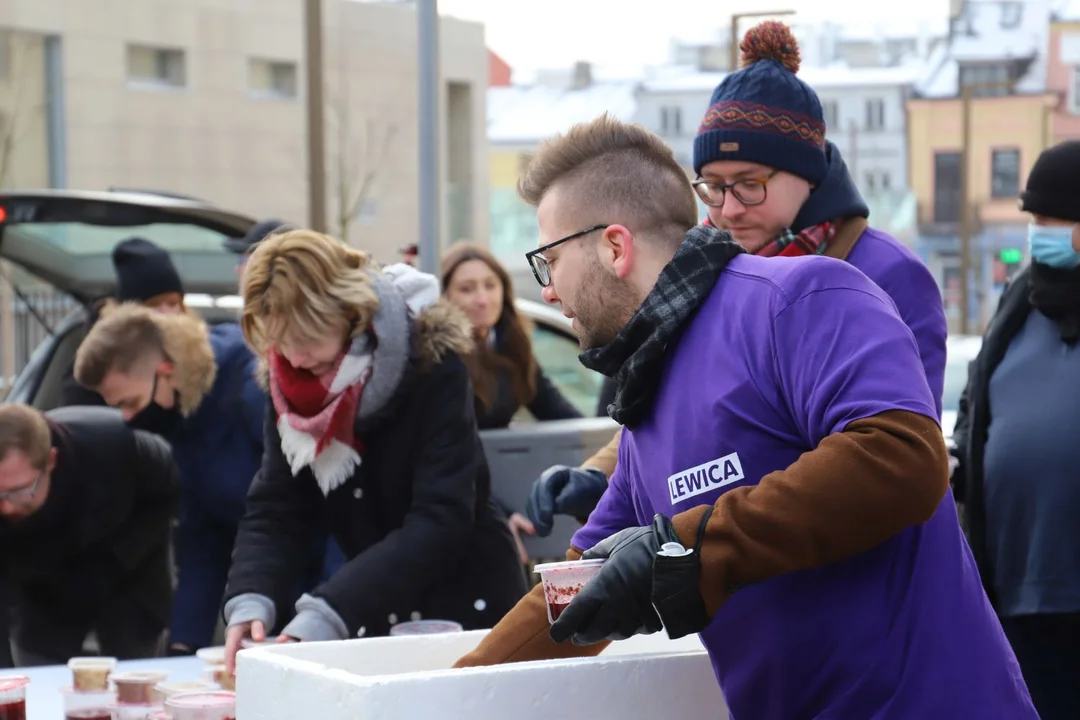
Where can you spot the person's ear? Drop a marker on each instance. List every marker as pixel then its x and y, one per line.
pixel 617 250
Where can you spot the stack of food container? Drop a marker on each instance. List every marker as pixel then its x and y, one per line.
pixel 89 696
pixel 137 695
pixel 215 671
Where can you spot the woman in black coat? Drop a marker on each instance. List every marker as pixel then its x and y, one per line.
pixel 372 434
pixel 505 374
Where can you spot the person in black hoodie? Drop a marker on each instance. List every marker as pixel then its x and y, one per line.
pixel 86 505
pixel 371 434
pixel 145 274
pixel 1015 439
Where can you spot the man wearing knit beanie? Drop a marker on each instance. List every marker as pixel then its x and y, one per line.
pixel 1018 480
pixel 145 274
pixel 769 176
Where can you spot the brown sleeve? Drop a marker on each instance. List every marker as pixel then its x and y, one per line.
pixel 522 635
pixel 858 488
pixel 607 456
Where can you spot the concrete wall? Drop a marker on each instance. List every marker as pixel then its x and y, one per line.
pixel 215 137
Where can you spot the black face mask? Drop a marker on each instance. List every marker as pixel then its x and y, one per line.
pixel 156 419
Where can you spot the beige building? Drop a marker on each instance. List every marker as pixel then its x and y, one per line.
pixel 206 98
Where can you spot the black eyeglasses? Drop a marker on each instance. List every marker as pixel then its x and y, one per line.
pixel 751 191
pixel 539 264
pixel 23 495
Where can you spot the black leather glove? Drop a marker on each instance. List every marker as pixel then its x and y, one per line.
pixel 650 581
pixel 564 490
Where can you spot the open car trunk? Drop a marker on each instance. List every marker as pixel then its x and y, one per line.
pixel 67 237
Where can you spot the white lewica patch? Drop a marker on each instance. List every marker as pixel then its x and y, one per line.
pixel 409 677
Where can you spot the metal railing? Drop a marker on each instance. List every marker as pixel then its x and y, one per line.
pixel 23 327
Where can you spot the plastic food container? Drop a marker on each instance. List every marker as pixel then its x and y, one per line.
pixel 159 715
pixel 563 581
pixel 426 627
pixel 137 687
pixel 91 673
pixel 220 705
pixel 220 676
pixel 167 689
pixel 211 655
pixel 13 697
pixel 87 704
pixel 134 711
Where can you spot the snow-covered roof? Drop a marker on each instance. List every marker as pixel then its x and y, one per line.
pixel 819 78
pixel 530 114
pixel 993 31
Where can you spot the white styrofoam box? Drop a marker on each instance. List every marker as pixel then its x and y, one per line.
pixel 410 678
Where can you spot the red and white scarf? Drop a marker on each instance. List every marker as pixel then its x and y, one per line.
pixel 316 413
pixel 811 241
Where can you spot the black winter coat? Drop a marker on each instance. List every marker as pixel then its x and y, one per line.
pixel 103 529
pixel 421 536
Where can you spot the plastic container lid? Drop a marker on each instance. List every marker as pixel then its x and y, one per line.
pixel 79 663
pixel 13 682
pixel 184 686
pixel 569 565
pixel 140 677
pixel 216 699
pixel 211 655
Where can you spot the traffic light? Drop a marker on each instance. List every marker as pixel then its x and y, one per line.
pixel 1011 256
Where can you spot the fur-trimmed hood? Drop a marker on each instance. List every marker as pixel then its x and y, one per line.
pixel 441 328
pixel 187 343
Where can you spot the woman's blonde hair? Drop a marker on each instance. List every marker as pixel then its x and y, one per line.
pixel 307 285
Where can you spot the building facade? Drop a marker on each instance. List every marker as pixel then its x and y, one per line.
pixel 206 98
pixel 999 52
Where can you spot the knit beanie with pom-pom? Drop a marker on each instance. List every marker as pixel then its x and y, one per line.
pixel 762 113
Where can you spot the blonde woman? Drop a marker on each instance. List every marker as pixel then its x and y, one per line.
pixel 372 434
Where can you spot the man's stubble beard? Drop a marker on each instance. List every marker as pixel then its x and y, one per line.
pixel 604 306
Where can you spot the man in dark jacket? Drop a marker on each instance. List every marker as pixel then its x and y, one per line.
pixel 1015 440
pixel 194 385
pixel 86 505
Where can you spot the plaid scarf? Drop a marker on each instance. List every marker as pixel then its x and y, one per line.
pixel 636 357
pixel 316 413
pixel 811 241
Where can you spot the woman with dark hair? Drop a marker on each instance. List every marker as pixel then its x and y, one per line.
pixel 505 374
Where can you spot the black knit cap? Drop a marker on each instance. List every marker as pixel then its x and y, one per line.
pixel 1052 182
pixel 143 271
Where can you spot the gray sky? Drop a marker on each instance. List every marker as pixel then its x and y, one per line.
pixel 555 33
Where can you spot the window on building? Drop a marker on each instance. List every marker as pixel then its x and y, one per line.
pixel 1005 173
pixel 272 78
pixel 870 178
pixel 1074 91
pixel 947 187
pixel 831 110
pixel 155 67
pixel 1011 13
pixel 987 79
pixel 670 120
pixel 886 181
pixel 875 114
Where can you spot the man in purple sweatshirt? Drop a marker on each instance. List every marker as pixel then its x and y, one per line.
pixel 782 486
pixel 769 177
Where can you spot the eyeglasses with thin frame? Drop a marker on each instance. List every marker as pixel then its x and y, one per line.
pixel 749 191
pixel 539 264
pixel 24 494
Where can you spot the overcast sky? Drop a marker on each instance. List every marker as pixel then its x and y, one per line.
pixel 555 33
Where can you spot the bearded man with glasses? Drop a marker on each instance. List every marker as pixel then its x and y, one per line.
pixel 770 178
pixel 86 508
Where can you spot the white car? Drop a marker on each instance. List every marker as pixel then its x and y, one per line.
pixel 960 351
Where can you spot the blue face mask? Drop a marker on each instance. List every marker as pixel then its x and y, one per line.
pixel 1052 245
